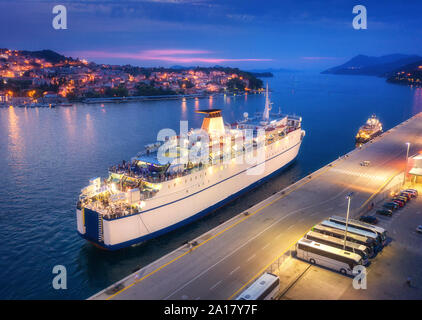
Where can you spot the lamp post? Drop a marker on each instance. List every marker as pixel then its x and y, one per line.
pixel 348 197
pixel 407 159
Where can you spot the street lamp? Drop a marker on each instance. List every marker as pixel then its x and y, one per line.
pixel 407 159
pixel 348 197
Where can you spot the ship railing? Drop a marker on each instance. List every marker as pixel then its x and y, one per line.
pixel 113 210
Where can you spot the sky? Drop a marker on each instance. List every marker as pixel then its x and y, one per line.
pixel 249 34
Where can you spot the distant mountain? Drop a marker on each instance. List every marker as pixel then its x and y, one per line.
pixel 382 66
pixel 179 67
pixel 271 70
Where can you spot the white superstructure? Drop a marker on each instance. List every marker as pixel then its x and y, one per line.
pixel 179 179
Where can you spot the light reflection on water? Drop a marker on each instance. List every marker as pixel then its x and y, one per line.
pixel 48 155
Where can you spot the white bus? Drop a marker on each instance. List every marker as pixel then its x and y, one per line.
pixel 351 229
pixel 381 232
pixel 327 256
pixel 339 243
pixel 333 232
pixel 264 288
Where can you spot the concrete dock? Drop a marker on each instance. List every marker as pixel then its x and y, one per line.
pixel 226 259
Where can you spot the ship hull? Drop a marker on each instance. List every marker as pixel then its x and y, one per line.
pixel 362 141
pixel 211 193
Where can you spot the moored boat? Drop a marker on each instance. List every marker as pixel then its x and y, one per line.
pixel 369 130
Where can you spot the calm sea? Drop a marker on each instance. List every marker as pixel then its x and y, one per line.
pixel 47 156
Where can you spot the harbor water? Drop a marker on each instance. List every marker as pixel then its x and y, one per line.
pixel 48 155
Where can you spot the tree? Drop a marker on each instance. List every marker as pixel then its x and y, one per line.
pixel 235 84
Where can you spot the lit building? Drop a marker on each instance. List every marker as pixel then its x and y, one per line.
pixel 415 169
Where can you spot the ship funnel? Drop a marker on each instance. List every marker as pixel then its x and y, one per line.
pixel 213 122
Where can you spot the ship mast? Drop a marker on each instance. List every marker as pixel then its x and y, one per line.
pixel 266 114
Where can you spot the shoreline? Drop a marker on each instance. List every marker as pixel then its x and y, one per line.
pixel 129 99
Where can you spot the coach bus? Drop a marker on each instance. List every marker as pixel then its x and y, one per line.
pixel 339 243
pixel 381 232
pixel 265 287
pixel 327 256
pixel 351 229
pixel 333 232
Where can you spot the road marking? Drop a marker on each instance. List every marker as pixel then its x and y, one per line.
pixel 264 247
pixel 251 257
pixel 234 270
pixel 291 227
pixel 213 287
pixel 378 190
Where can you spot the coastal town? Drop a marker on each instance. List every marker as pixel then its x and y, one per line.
pixel 411 76
pixel 46 78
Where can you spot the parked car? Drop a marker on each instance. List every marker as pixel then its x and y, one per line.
pixel 408 194
pixel 369 219
pixel 414 191
pixel 419 229
pixel 404 199
pixel 365 163
pixel 385 212
pixel 405 195
pixel 400 202
pixel 391 206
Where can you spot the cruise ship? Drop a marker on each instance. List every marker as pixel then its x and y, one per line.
pixel 182 177
pixel 369 130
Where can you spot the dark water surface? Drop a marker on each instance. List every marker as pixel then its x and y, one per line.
pixel 47 156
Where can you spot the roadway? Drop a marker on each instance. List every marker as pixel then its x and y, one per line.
pixel 230 256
